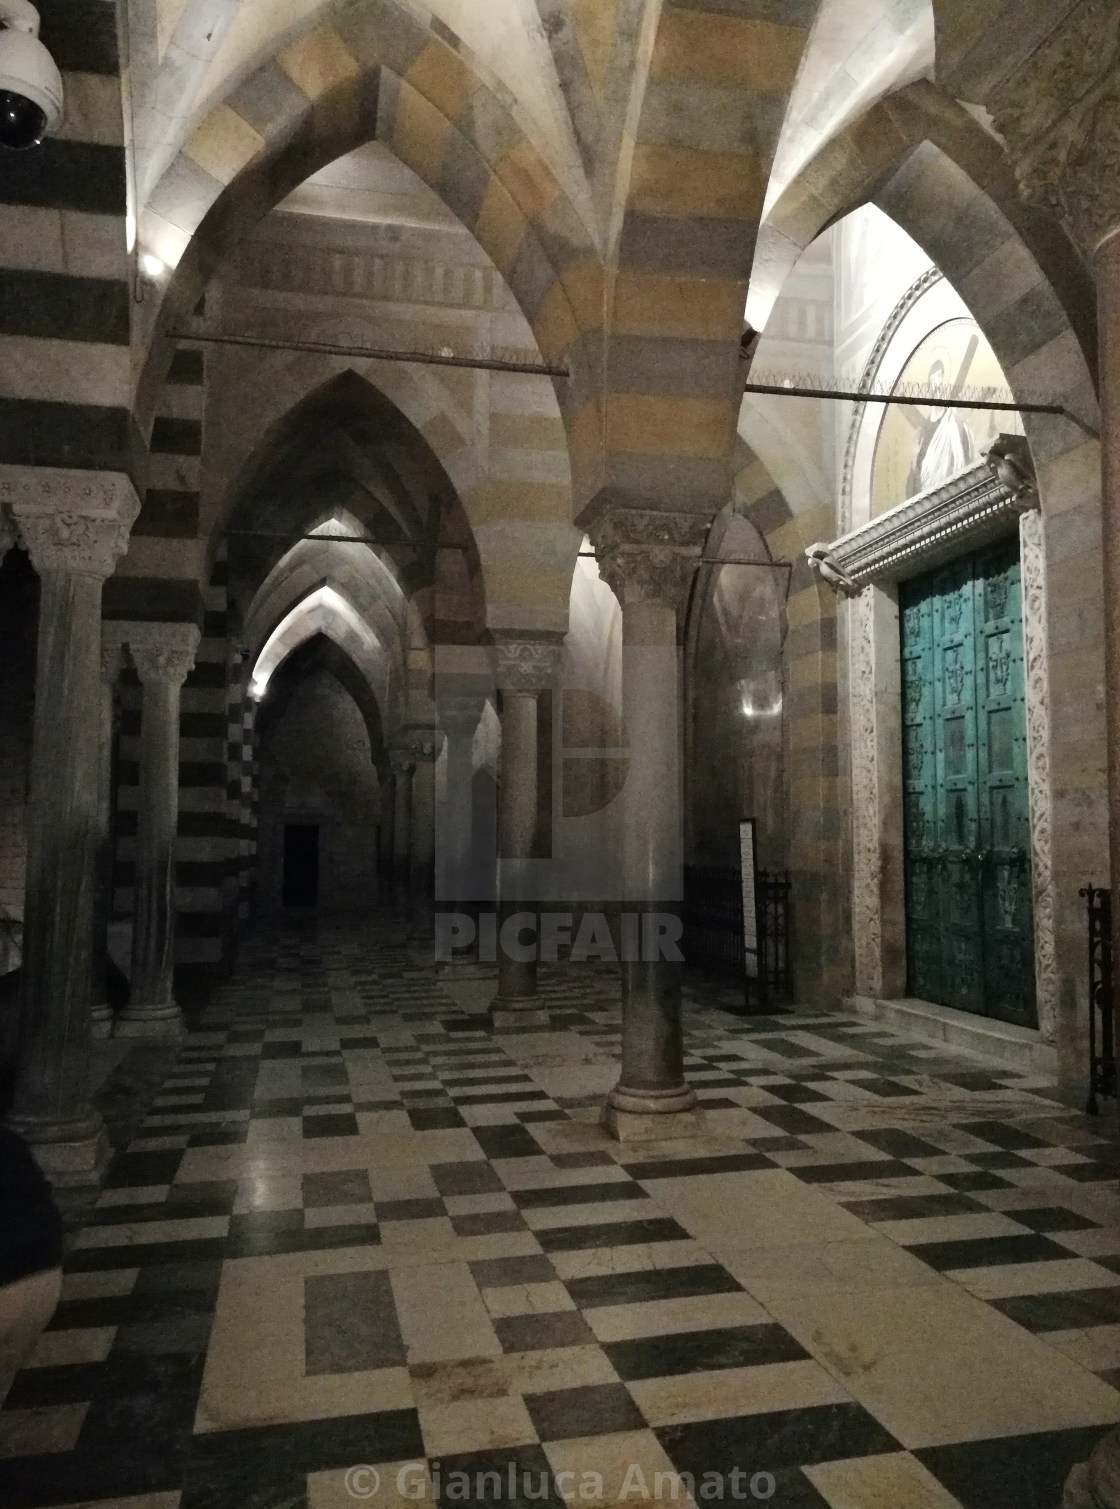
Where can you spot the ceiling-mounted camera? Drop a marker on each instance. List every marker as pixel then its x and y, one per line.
pixel 31 98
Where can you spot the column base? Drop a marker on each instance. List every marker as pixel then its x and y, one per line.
pixel 513 1014
pixel 73 1155
pixel 467 967
pixel 101 1020
pixel 158 1024
pixel 1095 1484
pixel 652 1115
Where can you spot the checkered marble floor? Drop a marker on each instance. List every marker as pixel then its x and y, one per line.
pixel 357 1229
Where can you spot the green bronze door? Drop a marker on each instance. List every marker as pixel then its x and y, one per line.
pixel 967 822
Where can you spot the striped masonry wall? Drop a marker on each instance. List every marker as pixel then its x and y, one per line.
pixel 170 507
pixel 816 851
pixel 65 365
pixel 248 785
pixel 938 174
pixel 204 837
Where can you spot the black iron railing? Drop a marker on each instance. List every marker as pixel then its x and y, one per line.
pixel 1102 1050
pixel 713 931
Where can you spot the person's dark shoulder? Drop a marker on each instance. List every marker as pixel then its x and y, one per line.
pixel 30 1225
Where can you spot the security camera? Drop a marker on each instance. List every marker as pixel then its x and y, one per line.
pixel 31 98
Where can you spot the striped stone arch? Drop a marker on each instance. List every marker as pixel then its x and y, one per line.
pixel 278 380
pixel 311 565
pixel 374 73
pixel 385 681
pixel 280 403
pixel 812 759
pixel 324 652
pixel 695 166
pixel 921 136
pixel 925 162
pixel 527 495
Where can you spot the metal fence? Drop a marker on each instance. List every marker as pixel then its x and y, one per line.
pixel 713 931
pixel 1102 1051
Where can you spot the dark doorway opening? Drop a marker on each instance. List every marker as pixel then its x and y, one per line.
pixel 301 864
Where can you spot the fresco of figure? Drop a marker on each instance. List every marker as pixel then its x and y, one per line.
pixel 944 444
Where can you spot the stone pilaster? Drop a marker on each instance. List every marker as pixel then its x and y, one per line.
pixel 75 526
pixel 1059 113
pixel 163 654
pixel 525 668
pixel 426 743
pixel 649 560
pixel 112 663
pixel 401 760
pixel 459 715
pixel 388 795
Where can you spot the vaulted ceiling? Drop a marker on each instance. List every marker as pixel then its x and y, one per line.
pixel 573 73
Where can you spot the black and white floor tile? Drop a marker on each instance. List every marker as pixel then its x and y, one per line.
pixel 358 1229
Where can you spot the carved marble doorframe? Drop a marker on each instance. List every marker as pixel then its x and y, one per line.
pixel 874 680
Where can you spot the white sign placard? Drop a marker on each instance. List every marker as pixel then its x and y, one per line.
pixel 750 902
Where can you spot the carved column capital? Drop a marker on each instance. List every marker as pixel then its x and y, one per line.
pixel 1060 116
pixel 648 556
pixel 425 744
pixel 527 665
pixel 459 714
pixel 72 521
pixel 401 760
pixel 163 652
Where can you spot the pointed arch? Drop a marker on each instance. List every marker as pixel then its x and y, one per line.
pixel 345 444
pixel 374 73
pixel 322 651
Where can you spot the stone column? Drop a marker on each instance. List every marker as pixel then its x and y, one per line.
pixel 401 758
pixel 426 745
pixel 112 660
pixel 458 716
pixel 163 654
pixel 75 526
pixel 649 559
pixel 388 797
pixel 525 669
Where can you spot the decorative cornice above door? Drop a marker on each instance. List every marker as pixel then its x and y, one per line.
pixel 976 506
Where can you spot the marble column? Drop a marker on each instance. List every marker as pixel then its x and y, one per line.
pixel 401 759
pixel 426 745
pixel 112 660
pixel 75 527
pixel 385 826
pixel 458 716
pixel 649 559
pixel 525 668
pixel 163 654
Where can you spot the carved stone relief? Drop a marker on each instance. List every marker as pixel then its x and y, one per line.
pixel 645 555
pixel 163 652
pixel 527 665
pixel 70 520
pixel 1033 570
pixel 866 851
pixel 1060 116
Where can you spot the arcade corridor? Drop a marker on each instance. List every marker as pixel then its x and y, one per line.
pixel 359 1229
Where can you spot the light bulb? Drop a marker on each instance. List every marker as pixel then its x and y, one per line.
pixel 152 265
